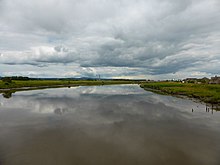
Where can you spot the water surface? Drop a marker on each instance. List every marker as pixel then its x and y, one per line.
pixel 106 125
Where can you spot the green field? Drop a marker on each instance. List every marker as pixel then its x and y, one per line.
pixel 208 93
pixel 7 88
pixel 45 83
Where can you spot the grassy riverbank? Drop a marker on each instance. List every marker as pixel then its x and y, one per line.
pixel 16 84
pixel 208 93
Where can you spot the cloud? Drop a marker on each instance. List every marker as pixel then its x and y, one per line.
pixel 150 38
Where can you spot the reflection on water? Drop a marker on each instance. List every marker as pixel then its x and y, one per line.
pixel 7 94
pixel 106 125
pixel 60 111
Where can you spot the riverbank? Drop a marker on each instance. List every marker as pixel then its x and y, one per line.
pixel 19 85
pixel 208 93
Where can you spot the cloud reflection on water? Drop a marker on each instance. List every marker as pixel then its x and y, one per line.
pixel 106 125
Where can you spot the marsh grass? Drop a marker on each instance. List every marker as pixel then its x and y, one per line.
pixel 208 93
pixel 51 83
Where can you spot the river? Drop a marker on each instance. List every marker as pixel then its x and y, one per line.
pixel 106 125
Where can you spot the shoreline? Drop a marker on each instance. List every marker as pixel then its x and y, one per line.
pixel 37 85
pixel 215 106
pixel 181 93
pixel 34 87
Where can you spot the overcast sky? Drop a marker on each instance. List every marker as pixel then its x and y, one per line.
pixel 152 39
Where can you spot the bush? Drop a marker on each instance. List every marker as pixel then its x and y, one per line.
pixel 7 80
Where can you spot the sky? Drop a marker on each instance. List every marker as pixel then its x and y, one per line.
pixel 140 39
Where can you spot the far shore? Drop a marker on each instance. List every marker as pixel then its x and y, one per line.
pixel 7 88
pixel 35 87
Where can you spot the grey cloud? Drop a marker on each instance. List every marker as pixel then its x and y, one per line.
pixel 157 37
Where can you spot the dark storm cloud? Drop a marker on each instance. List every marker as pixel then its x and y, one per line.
pixel 157 37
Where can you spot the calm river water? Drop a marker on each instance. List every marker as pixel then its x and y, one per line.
pixel 106 125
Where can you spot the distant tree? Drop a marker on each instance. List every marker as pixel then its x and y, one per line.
pixel 7 80
pixel 20 78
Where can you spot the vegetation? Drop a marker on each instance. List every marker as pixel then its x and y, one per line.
pixel 9 85
pixel 7 80
pixel 14 84
pixel 208 93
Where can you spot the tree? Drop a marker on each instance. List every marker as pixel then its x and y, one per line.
pixel 7 80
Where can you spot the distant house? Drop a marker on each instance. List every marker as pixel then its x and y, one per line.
pixel 190 80
pixel 150 81
pixel 203 80
pixel 215 80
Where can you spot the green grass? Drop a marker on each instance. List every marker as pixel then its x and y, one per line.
pixel 31 83
pixel 208 93
pixel 51 83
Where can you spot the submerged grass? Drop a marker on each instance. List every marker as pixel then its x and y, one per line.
pixel 208 93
